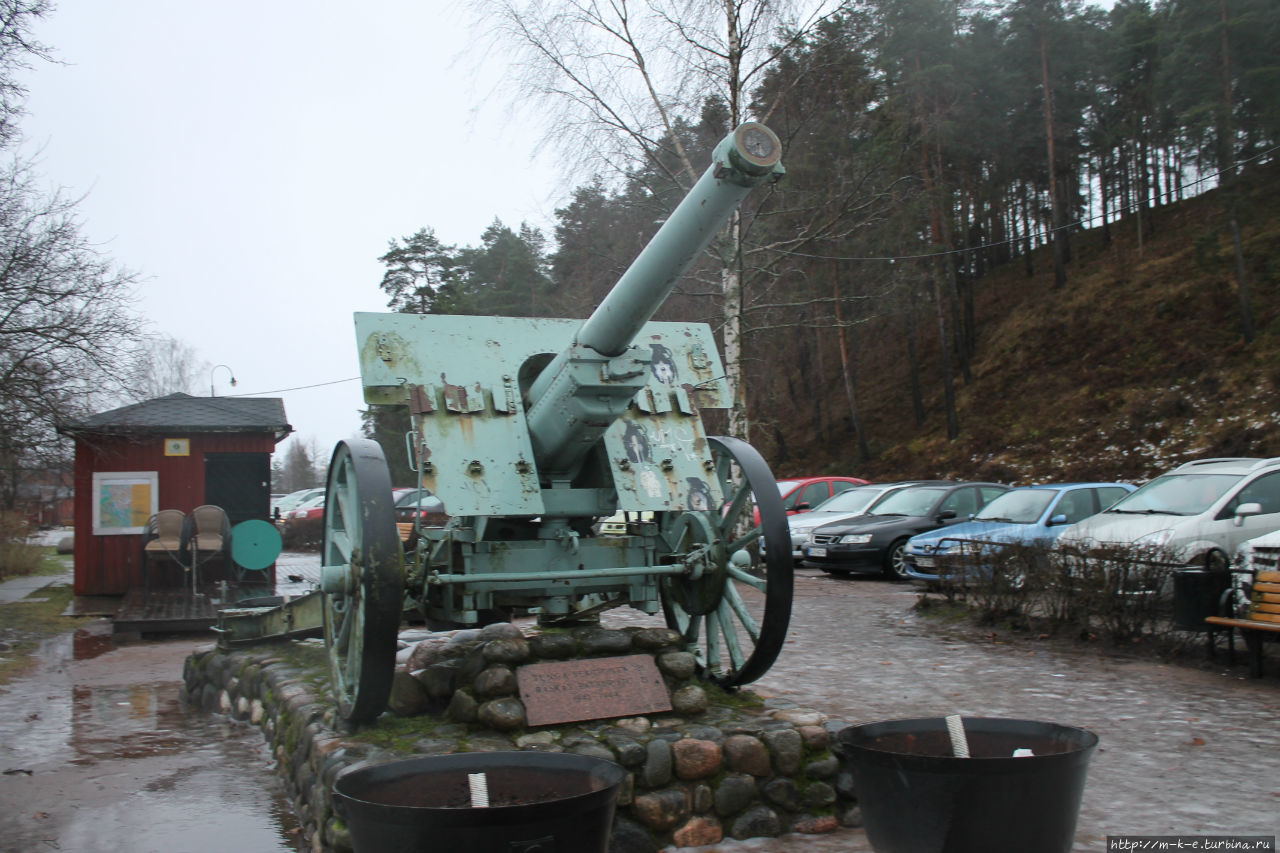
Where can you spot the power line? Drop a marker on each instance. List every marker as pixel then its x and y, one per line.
pixel 298 388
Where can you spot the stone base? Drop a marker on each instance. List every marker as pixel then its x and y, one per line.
pixel 729 767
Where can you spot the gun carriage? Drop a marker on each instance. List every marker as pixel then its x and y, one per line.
pixel 530 430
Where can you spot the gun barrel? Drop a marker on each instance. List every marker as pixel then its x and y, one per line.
pixel 747 157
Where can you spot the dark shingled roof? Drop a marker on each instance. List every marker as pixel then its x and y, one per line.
pixel 184 413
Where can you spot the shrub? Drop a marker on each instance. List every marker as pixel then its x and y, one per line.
pixel 17 558
pixel 1121 593
pixel 999 583
pixel 1124 591
pixel 303 534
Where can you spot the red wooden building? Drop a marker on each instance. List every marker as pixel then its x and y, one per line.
pixel 174 452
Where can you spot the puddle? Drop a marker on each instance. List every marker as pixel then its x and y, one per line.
pixel 89 642
pixel 98 753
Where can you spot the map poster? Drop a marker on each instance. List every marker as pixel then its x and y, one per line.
pixel 124 501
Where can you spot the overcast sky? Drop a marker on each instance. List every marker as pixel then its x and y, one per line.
pixel 251 160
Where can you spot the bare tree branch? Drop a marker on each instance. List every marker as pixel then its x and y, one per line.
pixel 67 334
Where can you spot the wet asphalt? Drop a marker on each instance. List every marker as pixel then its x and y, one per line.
pixel 1192 750
pixel 99 755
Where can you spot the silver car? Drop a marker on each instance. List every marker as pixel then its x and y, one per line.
pixel 1195 515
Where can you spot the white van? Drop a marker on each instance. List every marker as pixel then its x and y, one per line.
pixel 1195 515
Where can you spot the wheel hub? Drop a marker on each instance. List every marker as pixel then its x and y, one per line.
pixel 339 580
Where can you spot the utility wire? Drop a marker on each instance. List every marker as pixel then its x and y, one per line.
pixel 298 388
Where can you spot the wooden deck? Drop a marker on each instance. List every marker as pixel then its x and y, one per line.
pixel 164 611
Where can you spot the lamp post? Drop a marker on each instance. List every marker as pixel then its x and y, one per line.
pixel 229 373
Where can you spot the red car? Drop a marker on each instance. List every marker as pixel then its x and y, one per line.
pixel 801 494
pixel 303 526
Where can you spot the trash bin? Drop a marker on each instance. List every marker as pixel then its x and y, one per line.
pixel 537 803
pixel 1195 596
pixel 917 797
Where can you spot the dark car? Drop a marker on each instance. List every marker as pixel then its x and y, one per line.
pixel 874 542
pixel 421 506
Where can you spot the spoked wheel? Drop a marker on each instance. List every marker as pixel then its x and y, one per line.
pixel 895 561
pixel 362 578
pixel 733 616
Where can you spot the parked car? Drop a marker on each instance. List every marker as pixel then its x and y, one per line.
pixel 303 526
pixel 847 504
pixel 1260 554
pixel 421 505
pixel 1195 515
pixel 616 524
pixel 1030 517
pixel 874 542
pixel 801 494
pixel 312 507
pixel 291 501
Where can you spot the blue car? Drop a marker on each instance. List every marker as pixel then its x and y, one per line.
pixel 1031 516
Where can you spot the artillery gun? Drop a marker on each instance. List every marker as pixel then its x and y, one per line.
pixel 530 430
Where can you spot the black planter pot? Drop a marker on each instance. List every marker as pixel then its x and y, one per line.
pixel 539 803
pixel 916 797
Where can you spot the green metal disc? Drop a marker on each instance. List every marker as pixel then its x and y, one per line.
pixel 255 544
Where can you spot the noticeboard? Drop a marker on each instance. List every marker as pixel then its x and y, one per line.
pixel 124 501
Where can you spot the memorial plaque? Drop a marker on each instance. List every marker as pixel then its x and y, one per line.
pixel 591 689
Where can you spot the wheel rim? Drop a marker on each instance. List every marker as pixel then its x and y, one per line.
pixel 362 580
pixel 733 620
pixel 1016 570
pixel 896 561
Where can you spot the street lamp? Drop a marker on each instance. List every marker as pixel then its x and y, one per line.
pixel 229 373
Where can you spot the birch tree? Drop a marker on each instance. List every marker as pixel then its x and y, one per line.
pixel 619 81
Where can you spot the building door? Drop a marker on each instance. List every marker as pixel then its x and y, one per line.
pixel 240 483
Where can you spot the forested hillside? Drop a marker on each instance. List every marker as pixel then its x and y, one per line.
pixel 1139 364
pixel 1025 241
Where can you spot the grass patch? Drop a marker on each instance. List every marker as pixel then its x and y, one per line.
pixel 401 733
pixel 306 655
pixel 942 610
pixel 740 699
pixel 313 659
pixel 23 624
pixel 43 561
pixel 50 561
